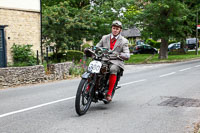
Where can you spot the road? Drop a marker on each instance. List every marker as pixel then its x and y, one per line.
pixel 159 98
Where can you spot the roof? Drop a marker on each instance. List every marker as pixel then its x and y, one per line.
pixel 132 32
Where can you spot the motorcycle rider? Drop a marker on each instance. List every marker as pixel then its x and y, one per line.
pixel 119 46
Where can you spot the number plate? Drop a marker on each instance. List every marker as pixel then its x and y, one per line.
pixel 95 66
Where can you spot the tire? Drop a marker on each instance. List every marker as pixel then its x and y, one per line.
pixel 83 100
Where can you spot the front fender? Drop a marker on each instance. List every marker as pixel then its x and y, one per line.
pixel 85 75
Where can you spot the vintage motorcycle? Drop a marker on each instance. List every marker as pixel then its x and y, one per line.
pixel 94 84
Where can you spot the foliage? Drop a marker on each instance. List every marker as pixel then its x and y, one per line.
pixel 193 6
pixel 46 3
pixel 57 58
pixel 162 19
pixel 132 12
pixel 65 26
pixel 79 68
pixel 105 11
pixel 45 66
pixel 69 55
pixel 23 55
pixel 172 41
pixel 66 22
pixel 73 3
pixel 74 55
pixel 131 47
pixel 156 44
pixel 85 46
pixel 153 43
pixel 76 71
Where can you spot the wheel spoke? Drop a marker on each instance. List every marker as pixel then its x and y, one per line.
pixel 84 100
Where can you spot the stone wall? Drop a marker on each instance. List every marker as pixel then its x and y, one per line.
pixel 23 27
pixel 58 71
pixel 15 76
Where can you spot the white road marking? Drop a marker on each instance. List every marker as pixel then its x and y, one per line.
pixel 167 74
pixel 132 82
pixel 197 66
pixel 69 98
pixel 35 107
pixel 185 69
pixel 53 102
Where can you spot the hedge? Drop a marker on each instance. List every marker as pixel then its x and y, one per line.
pixel 153 43
pixel 85 46
pixel 74 55
pixel 156 44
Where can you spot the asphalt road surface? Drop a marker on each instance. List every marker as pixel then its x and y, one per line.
pixel 159 98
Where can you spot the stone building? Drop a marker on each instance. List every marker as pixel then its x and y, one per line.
pixel 20 24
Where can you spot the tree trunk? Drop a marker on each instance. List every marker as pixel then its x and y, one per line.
pixel 183 43
pixel 163 49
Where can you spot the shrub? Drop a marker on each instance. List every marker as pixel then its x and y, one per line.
pixel 85 46
pixel 172 42
pixel 23 55
pixel 57 58
pixel 178 52
pixel 74 55
pixel 131 47
pixel 76 71
pixel 153 43
pixel 80 67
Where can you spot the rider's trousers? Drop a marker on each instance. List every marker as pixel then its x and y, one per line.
pixel 114 69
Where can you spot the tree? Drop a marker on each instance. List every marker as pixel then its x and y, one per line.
pixel 162 19
pixel 98 14
pixel 72 3
pixel 65 26
pixel 51 2
pixel 106 11
pixel 193 6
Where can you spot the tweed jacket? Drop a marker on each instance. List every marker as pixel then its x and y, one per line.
pixel 120 48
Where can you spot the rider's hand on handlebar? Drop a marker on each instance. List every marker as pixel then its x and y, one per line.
pixel 87 52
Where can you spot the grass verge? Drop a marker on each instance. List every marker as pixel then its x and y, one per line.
pixel 149 58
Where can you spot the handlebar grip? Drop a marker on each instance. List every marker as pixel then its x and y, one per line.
pixel 115 58
pixel 120 58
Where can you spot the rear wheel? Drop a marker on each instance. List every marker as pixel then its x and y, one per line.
pixel 83 97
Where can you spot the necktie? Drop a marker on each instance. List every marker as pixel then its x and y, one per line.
pixel 113 39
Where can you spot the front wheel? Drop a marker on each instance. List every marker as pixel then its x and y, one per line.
pixel 83 97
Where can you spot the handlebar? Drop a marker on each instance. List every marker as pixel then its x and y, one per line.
pixel 115 58
pixel 100 52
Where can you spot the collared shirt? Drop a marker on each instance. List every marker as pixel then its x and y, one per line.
pixel 113 40
pixel 116 37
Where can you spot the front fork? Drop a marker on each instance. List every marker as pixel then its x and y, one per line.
pixel 91 77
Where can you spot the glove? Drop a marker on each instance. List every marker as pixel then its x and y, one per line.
pixel 87 52
pixel 123 56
